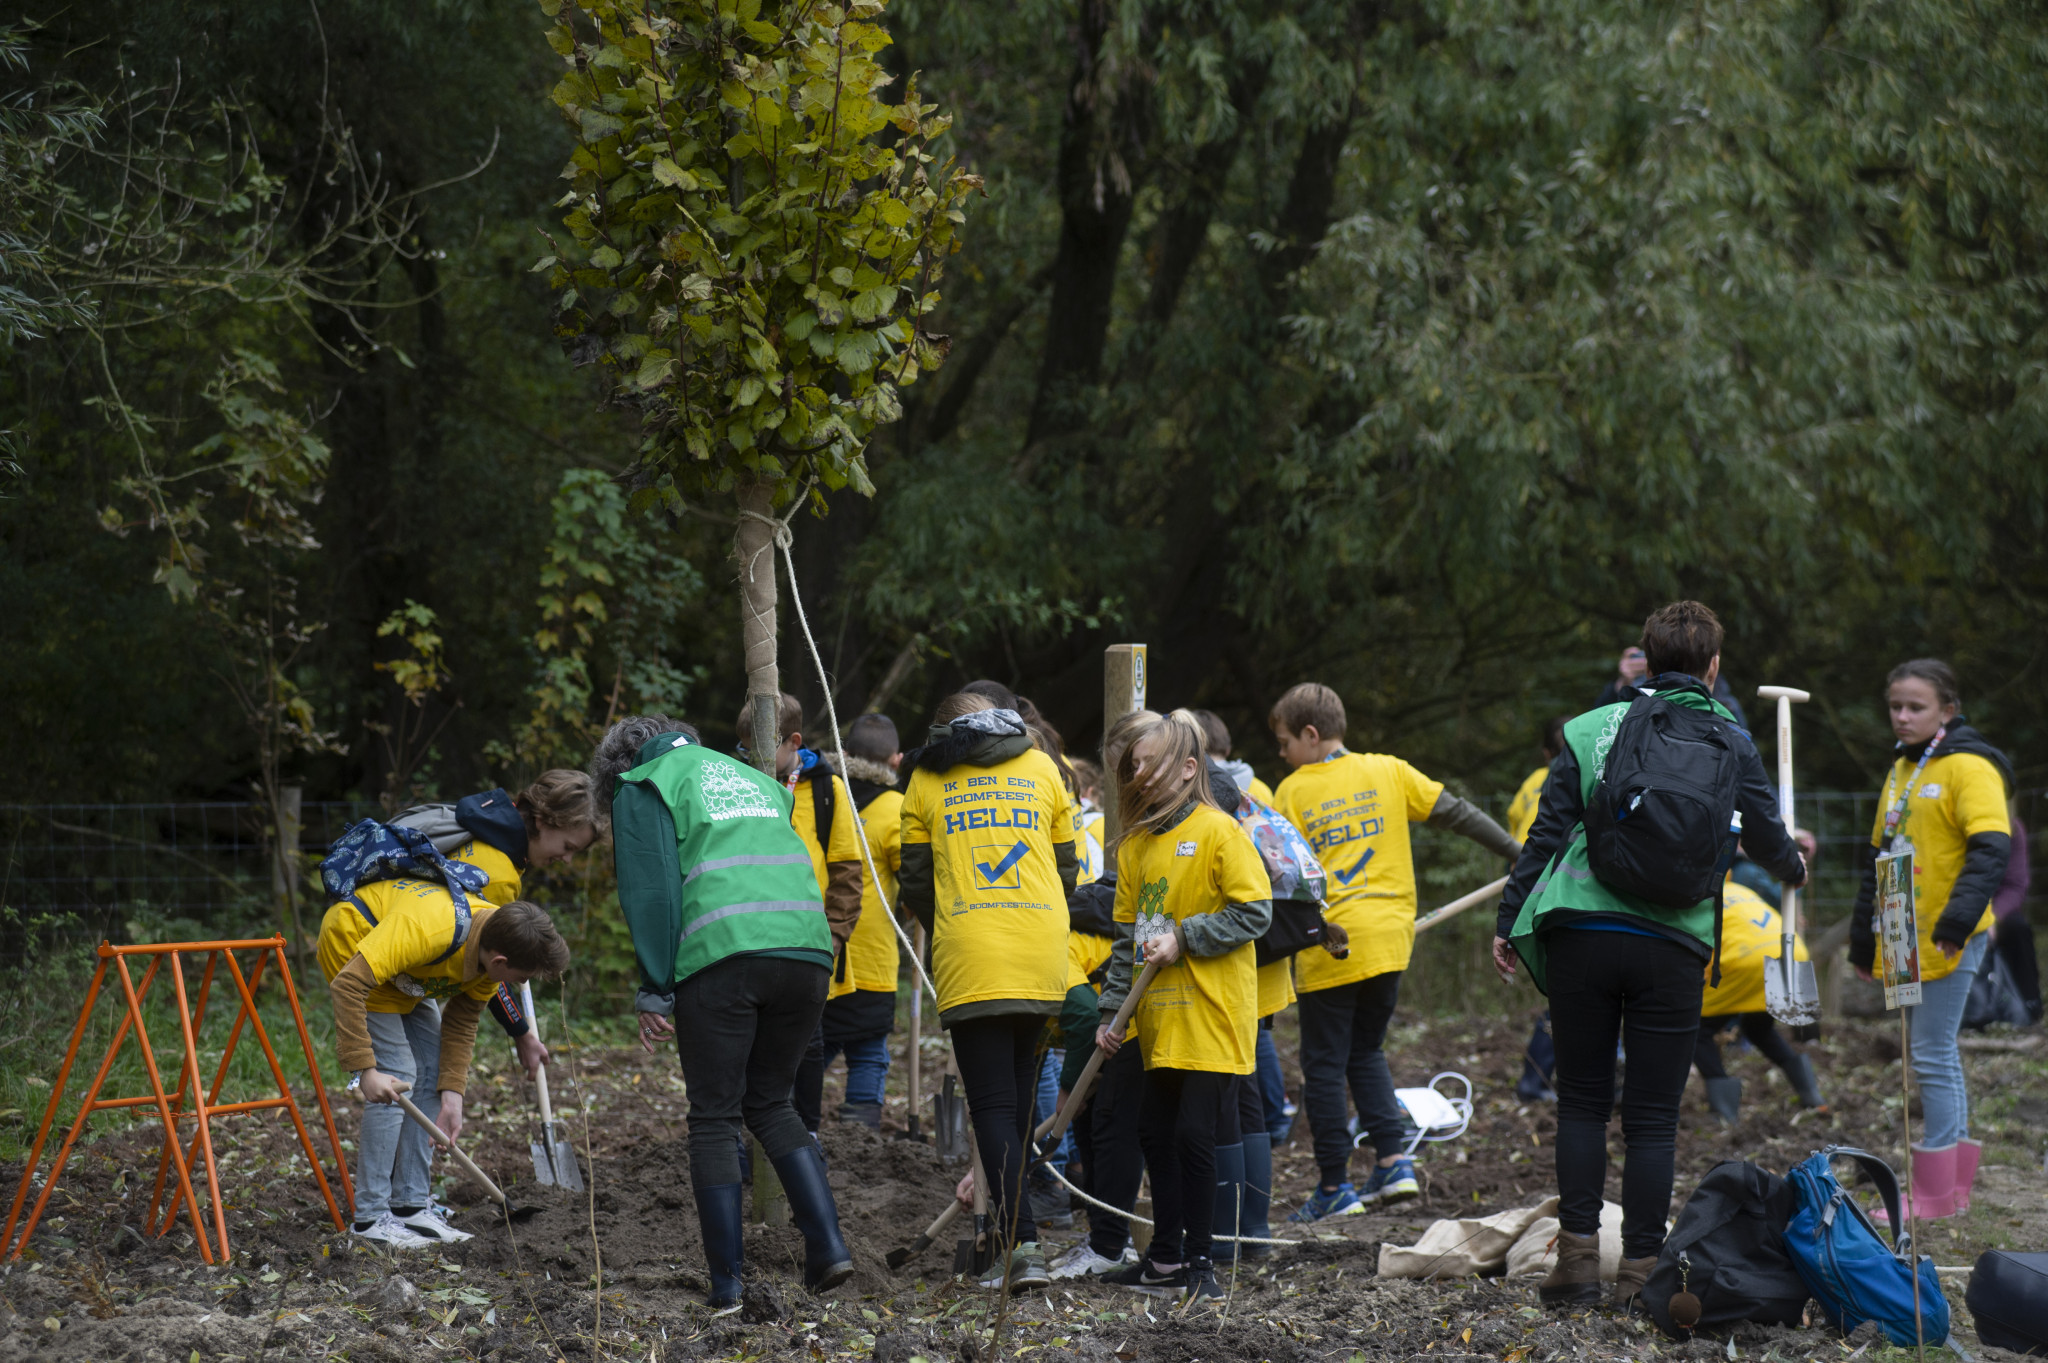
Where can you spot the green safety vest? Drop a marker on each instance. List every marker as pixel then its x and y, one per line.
pixel 709 866
pixel 1568 883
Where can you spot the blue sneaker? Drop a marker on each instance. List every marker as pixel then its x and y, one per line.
pixel 1343 1201
pixel 1393 1183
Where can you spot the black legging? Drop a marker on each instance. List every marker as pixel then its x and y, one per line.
pixel 998 1060
pixel 1112 1157
pixel 1177 1124
pixel 741 1026
pixel 1757 1029
pixel 2015 945
pixel 1606 986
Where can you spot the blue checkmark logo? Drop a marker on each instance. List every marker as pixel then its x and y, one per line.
pixel 1348 876
pixel 999 873
pixel 1762 922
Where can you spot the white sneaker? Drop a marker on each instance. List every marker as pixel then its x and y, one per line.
pixel 1081 1261
pixel 432 1221
pixel 388 1231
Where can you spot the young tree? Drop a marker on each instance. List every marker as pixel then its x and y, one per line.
pixel 754 238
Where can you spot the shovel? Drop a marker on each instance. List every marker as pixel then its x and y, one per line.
pixel 1047 1137
pixel 949 1122
pixel 1791 992
pixel 483 1179
pixel 897 1258
pixel 554 1160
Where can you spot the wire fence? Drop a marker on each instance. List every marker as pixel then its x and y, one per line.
pixel 80 873
pixel 148 872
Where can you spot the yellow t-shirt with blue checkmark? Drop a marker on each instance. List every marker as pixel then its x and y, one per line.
pixel 999 922
pixel 1354 809
pixel 1751 935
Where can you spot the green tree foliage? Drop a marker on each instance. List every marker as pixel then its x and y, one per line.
pixel 749 264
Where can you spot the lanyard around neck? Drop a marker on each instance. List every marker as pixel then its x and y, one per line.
pixel 1896 815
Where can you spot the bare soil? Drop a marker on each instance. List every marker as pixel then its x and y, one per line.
pixel 618 1272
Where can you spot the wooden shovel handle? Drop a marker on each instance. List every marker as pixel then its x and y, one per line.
pixel 540 1075
pixel 441 1139
pixel 1055 1126
pixel 1458 906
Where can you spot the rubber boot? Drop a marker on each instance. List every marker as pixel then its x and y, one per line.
pixel 1629 1277
pixel 720 1219
pixel 868 1115
pixel 1258 1193
pixel 1967 1152
pixel 1800 1072
pixel 827 1261
pixel 1229 1200
pixel 1724 1096
pixel 1932 1195
pixel 1575 1281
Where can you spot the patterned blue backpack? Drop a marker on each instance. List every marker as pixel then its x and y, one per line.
pixel 369 850
pixel 1845 1262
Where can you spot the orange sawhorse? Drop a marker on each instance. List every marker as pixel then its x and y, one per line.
pixel 170 1105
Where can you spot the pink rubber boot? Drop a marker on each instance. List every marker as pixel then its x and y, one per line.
pixel 1932 1195
pixel 1967 1152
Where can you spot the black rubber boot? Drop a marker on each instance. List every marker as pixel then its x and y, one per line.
pixel 868 1115
pixel 1258 1193
pixel 1229 1199
pixel 827 1261
pixel 1804 1083
pixel 719 1218
pixel 1725 1097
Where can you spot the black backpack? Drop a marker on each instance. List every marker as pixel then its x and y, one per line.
pixel 2008 1297
pixel 1728 1250
pixel 1658 825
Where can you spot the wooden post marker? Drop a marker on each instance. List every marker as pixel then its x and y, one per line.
pixel 170 1104
pixel 1123 690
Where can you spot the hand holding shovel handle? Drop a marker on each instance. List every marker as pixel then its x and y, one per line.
pixel 1055 1126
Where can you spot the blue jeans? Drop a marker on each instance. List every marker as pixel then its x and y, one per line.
pixel 1049 1102
pixel 1937 1060
pixel 867 1065
pixel 392 1154
pixel 1272 1085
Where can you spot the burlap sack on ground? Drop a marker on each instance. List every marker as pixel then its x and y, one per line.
pixel 1517 1241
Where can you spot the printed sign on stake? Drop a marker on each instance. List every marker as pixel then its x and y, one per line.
pixel 1898 931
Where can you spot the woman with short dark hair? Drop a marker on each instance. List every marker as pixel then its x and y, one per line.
pixel 1619 966
pixel 729 927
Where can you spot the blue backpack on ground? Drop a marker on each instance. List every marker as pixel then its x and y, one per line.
pixel 1844 1260
pixel 369 850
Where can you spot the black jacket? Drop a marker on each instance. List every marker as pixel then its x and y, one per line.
pixel 1984 859
pixel 1562 809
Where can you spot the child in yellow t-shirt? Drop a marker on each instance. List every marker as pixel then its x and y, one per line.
pixel 1355 810
pixel 1752 938
pixel 822 812
pixel 1197 896
pixel 397 953
pixel 1539 1057
pixel 860 1006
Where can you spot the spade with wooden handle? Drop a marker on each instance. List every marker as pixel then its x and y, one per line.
pixel 483 1179
pixel 1047 1137
pixel 554 1159
pixel 1791 992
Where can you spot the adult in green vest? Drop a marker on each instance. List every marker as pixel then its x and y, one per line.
pixel 1619 967
pixel 735 956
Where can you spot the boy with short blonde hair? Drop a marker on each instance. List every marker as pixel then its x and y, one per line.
pixel 1355 809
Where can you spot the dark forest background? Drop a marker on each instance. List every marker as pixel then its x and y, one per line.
pixel 1415 348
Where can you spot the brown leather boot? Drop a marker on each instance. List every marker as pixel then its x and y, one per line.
pixel 1629 1280
pixel 1576 1279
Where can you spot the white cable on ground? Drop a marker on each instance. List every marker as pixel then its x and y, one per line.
pixel 783 538
pixel 1146 1220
